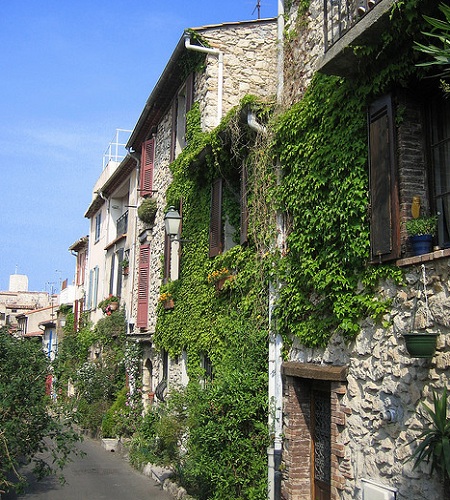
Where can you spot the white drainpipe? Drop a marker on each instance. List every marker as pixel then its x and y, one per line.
pixel 275 340
pixel 213 52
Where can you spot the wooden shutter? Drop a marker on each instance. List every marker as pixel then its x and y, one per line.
pixel 147 160
pixel 173 131
pixel 244 205
pixel 143 282
pixel 167 258
pixel 189 91
pixel 215 228
pixel 384 213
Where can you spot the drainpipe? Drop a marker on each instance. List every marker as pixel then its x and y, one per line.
pixel 275 340
pixel 216 53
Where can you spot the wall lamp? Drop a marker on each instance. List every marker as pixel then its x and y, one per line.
pixel 172 221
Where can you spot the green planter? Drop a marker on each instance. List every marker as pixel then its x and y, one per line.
pixel 421 345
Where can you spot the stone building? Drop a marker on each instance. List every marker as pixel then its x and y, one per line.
pixel 351 410
pixel 214 66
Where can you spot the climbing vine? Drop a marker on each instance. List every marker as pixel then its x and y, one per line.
pixel 328 285
pixel 226 325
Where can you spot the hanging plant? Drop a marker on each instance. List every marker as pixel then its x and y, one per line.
pixel 147 210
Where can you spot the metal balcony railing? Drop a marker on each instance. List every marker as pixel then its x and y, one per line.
pixel 341 15
pixel 122 224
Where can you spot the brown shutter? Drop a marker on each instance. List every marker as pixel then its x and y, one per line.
pixel 147 159
pixel 215 228
pixel 244 205
pixel 189 91
pixel 173 131
pixel 384 215
pixel 167 257
pixel 143 282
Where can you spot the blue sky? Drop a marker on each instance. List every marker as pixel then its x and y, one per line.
pixel 71 73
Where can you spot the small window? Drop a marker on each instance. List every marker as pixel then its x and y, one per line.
pixel 98 224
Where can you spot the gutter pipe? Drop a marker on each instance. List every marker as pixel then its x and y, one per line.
pixel 274 451
pixel 216 53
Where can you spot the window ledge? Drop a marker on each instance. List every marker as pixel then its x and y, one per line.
pixel 418 259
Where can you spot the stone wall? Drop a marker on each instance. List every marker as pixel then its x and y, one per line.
pixel 249 66
pixel 383 376
pixel 304 44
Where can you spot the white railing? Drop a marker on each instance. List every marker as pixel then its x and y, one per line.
pixel 116 148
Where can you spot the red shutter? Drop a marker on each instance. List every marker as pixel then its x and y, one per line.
pixel 215 228
pixel 147 160
pixel 384 215
pixel 143 282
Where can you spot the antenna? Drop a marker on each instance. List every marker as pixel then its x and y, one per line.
pixel 258 6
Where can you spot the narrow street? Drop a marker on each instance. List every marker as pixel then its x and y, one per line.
pixel 99 475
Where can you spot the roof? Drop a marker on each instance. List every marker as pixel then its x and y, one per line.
pixel 79 244
pixel 170 80
pixel 124 169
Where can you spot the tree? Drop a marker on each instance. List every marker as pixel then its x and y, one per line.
pixel 28 429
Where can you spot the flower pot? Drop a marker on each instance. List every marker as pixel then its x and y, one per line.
pixel 168 304
pixel 125 271
pixel 219 283
pixel 114 306
pixel 421 244
pixel 421 345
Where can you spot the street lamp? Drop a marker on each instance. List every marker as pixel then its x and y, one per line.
pixel 172 221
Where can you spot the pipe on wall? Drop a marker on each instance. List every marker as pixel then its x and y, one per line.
pixel 216 53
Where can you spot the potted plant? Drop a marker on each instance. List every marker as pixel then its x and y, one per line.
pixel 434 447
pixel 109 305
pixel 125 267
pixel 147 210
pixel 167 300
pixel 421 231
pixel 219 277
pixel 167 294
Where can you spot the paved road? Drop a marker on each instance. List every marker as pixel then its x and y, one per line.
pixel 100 475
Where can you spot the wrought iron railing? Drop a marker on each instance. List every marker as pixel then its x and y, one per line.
pixel 122 224
pixel 341 15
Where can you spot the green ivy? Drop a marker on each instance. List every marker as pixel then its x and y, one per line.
pixel 327 284
pixel 229 326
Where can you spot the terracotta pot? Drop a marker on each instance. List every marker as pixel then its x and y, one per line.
pixel 169 304
pixel 219 283
pixel 114 306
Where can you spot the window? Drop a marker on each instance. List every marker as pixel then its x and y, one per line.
pixel 98 224
pixel 228 212
pixel 440 159
pixel 93 288
pixel 143 283
pixel 181 105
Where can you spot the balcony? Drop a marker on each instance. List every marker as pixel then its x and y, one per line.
pixel 122 224
pixel 349 23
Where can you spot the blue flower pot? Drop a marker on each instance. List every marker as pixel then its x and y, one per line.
pixel 421 244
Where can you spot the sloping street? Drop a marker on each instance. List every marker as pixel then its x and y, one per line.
pixel 98 475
